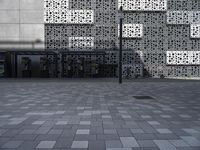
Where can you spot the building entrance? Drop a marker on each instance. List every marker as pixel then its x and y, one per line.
pixel 83 64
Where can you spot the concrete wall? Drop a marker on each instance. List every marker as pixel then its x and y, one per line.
pixel 21 20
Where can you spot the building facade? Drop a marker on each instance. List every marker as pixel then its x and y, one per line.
pixel 160 37
pixel 21 20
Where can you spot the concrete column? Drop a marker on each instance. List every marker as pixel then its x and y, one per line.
pixel 21 20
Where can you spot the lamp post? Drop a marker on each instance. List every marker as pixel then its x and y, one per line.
pixel 120 44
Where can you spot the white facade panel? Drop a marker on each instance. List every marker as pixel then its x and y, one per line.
pixel 57 11
pixel 143 5
pixel 81 42
pixel 132 31
pixel 183 57
pixel 183 17
pixel 195 31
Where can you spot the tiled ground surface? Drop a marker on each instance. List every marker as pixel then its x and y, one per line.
pixel 77 115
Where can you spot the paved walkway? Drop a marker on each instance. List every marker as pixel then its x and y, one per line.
pixel 58 114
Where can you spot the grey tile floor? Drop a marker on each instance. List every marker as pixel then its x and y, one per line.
pixel 98 115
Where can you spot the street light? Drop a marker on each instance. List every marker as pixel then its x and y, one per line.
pixel 120 43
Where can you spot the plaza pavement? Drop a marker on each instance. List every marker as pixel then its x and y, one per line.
pixel 99 114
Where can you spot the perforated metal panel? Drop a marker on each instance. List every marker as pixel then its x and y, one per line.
pixel 132 31
pixel 183 17
pixel 195 31
pixel 168 28
pixel 183 57
pixel 143 5
pixel 81 43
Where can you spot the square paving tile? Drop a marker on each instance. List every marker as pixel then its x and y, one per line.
pixel 79 144
pixel 153 122
pixel 55 131
pixel 99 115
pixel 129 142
pixel 163 131
pixel 179 143
pixel 83 131
pixel 192 141
pixel 38 122
pixel 12 144
pixel 146 143
pixel 62 123
pixel 113 144
pixel 46 144
pixel 164 145
pixel 85 122
pixel 137 131
pixel 110 131
pixel 96 145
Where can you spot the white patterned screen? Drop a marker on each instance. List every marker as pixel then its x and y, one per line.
pixel 163 25
pixel 81 42
pixel 143 5
pixel 56 4
pixel 183 17
pixel 81 16
pixel 183 57
pixel 57 11
pixel 132 31
pixel 195 30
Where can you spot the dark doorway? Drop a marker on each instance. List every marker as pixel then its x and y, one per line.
pixel 83 64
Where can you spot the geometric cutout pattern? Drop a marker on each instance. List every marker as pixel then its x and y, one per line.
pixel 183 17
pixel 69 16
pixel 57 11
pixel 56 4
pixel 81 43
pixel 161 32
pixel 183 57
pixel 132 31
pixel 130 71
pixel 195 30
pixel 143 5
pixel 81 17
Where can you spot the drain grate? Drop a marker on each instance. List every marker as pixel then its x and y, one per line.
pixel 143 97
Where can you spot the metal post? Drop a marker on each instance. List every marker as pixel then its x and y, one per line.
pixel 62 64
pixel 120 49
pixel 56 61
pixel 16 64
